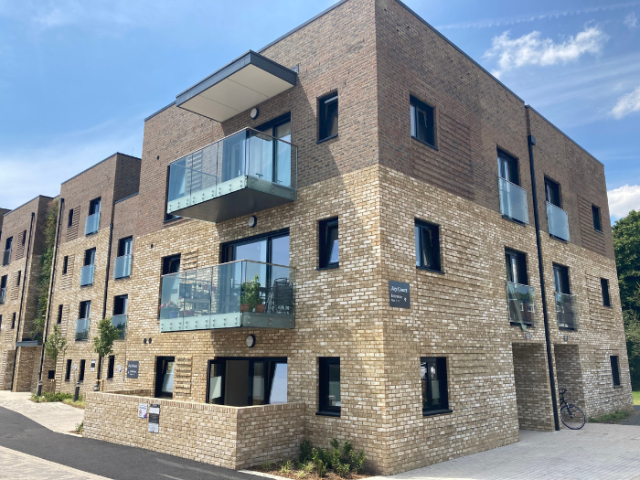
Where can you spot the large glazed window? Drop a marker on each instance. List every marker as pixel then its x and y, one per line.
pixel 433 377
pixel 329 386
pixel 328 116
pixel 422 122
pixel 520 296
pixel 427 242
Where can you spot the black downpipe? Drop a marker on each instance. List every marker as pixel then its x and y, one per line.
pixel 531 140
pixel 24 284
pixel 106 285
pixel 51 280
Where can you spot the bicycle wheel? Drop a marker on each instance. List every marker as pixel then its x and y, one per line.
pixel 572 417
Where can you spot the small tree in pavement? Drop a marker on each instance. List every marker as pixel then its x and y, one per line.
pixel 103 343
pixel 56 345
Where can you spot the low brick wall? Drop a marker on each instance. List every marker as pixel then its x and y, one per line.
pixel 226 436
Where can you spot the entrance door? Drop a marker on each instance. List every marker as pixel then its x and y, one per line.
pixel 165 368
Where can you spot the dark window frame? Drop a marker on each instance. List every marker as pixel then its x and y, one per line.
pixel 443 379
pixel 85 306
pixel 325 229
pixel 323 387
pixel 81 371
pixel 65 265
pixel 90 256
pixel 70 218
pixel 119 301
pixel 169 261
pixel 168 217
pixel 95 205
pixel 551 189
pixel 19 278
pixel 326 113
pixel 160 375
pixel 13 321
pixel 420 231
pixel 122 246
pixel 23 241
pixel 597 218
pixel 513 175
pixel 415 106
pixel 566 279
pixel 67 374
pixel 615 370
pixel 111 367
pixel 60 310
pixel 521 261
pixel 606 294
pixel 226 248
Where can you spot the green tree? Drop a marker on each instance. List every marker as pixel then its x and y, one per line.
pixel 626 242
pixel 103 343
pixel 56 345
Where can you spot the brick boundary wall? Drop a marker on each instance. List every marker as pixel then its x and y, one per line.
pixel 229 437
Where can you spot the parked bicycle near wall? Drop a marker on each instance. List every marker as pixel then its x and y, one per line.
pixel 572 417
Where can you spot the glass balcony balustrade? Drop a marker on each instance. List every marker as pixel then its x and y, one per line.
pixel 86 275
pixel 120 322
pixel 82 329
pixel 241 174
pixel 3 295
pixel 567 311
pixel 122 267
pixel 92 224
pixel 6 257
pixel 231 295
pixel 513 201
pixel 521 301
pixel 558 222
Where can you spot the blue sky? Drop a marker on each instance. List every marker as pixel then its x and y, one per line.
pixel 78 78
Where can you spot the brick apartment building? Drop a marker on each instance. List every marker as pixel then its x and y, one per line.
pixel 356 233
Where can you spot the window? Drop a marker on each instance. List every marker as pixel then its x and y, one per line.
pixel 164 377
pixel 242 382
pixel 329 244
pixel 328 116
pixel 65 265
pixel 51 374
pixel 6 257
pixel 561 278
pixel 427 239
pixel 13 320
pixel 272 247
pixel 552 192
pixel 565 302
pixel 606 299
pixel 171 264
pixel 18 278
pixel 8 243
pixel 0 323
pixel 422 122
pixel 3 281
pixel 120 304
pixel 615 370
pixel 94 206
pixel 595 211
pixel 67 373
pixel 24 237
pixel 435 394
pixel 85 309
pixel 516 267
pixel 83 364
pixel 60 307
pixel 70 221
pixel 125 246
pixel 167 215
pixel 508 167
pixel 111 366
pixel 329 378
pixel 89 257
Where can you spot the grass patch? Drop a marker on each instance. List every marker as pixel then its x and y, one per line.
pixel 636 398
pixel 615 417
pixel 78 404
pixel 51 397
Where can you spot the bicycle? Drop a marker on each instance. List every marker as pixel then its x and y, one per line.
pixel 571 416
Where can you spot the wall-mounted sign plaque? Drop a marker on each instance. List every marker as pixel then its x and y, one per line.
pixel 399 294
pixel 132 368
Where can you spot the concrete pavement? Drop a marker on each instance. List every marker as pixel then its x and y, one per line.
pixel 56 416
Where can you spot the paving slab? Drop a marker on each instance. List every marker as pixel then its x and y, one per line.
pixel 56 416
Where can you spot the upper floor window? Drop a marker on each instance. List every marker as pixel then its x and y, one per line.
pixel 6 256
pixel 60 309
pixel 120 304
pixel 422 122
pixel 173 191
pixel 24 237
pixel 615 370
pixel 508 167
pixel 3 281
pixel 65 265
pixel 329 251
pixel 70 221
pixel 90 257
pixel 171 264
pixel 125 246
pixel 516 267
pixel 597 224
pixel 561 279
pixel 94 206
pixel 552 192
pixel 427 241
pixel 435 391
pixel 85 309
pixel 13 320
pixel 269 248
pixel 329 386
pixel 604 285
pixel 8 243
pixel 18 278
pixel 328 116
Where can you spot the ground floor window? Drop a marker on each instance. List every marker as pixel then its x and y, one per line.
pixel 83 364
pixel 165 367
pixel 242 382
pixel 329 388
pixel 433 376
pixel 615 370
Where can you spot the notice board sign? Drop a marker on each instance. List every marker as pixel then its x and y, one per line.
pixel 154 418
pixel 399 294
pixel 142 410
pixel 132 368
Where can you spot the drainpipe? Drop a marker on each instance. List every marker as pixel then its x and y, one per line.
pixel 24 284
pixel 51 280
pixel 106 286
pixel 531 140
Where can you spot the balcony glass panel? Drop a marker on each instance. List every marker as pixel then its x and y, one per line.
pixel 513 201
pixel 558 222
pixel 92 224
pixel 231 295
pixel 521 301
pixel 82 328
pixel 120 322
pixel 122 267
pixel 250 170
pixel 6 257
pixel 567 311
pixel 86 275
pixel 3 295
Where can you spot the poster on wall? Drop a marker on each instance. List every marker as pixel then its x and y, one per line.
pixel 142 410
pixel 154 418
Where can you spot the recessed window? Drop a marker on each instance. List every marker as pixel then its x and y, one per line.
pixel 70 220
pixel 60 307
pixel 164 376
pixel 18 278
pixel 516 266
pixel 170 193
pixel 427 240
pixel 604 285
pixel 433 377
pixel 508 167
pixel 171 264
pixel 89 257
pixel 329 244
pixel 85 309
pixel 561 279
pixel 13 320
pixel 83 364
pixel 111 366
pixel 67 373
pixel 0 323
pixel 520 300
pixel 329 378
pixel 65 265
pixel 615 370
pixel 120 304
pixel 328 116
pixel 552 192
pixel 595 211
pixel 422 122
pixel 24 237
pixel 125 246
pixel 94 206
pixel 51 375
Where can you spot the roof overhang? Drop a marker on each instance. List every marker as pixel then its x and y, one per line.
pixel 237 87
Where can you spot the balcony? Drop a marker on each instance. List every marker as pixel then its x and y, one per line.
pixel 567 311
pixel 558 222
pixel 120 322
pixel 231 295
pixel 82 329
pixel 86 275
pixel 6 257
pixel 3 295
pixel 241 174
pixel 122 267
pixel 513 201
pixel 521 301
pixel 92 224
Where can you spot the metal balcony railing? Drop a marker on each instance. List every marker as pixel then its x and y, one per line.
pixel 120 322
pixel 240 174
pixel 82 329
pixel 86 275
pixel 122 267
pixel 558 222
pixel 521 301
pixel 513 201
pixel 231 295
pixel 92 224
pixel 3 295
pixel 6 257
pixel 567 311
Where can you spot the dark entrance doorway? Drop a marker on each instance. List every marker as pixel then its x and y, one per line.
pixel 165 368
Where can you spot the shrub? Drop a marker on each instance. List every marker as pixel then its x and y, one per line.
pixel 286 467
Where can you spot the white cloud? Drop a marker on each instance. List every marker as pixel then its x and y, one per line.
pixel 530 49
pixel 631 21
pixel 624 199
pixel 627 104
